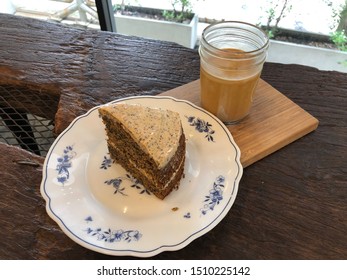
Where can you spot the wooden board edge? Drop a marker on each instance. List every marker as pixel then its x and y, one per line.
pixel 312 125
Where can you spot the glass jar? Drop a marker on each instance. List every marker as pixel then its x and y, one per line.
pixel 232 55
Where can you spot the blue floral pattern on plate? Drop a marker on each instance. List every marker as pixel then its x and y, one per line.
pixel 202 126
pixel 113 235
pixel 116 183
pixel 64 164
pixel 215 195
pixel 187 215
pixel 119 188
pixel 106 163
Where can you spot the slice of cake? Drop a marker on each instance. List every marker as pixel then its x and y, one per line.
pixel 148 142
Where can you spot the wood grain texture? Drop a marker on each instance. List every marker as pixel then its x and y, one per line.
pixel 290 205
pixel 85 68
pixel 273 122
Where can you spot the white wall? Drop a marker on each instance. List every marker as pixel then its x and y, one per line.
pixel 306 15
pixel 7 7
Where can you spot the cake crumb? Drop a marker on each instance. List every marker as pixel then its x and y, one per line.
pixel 174 209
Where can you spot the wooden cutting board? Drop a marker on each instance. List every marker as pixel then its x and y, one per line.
pixel 273 122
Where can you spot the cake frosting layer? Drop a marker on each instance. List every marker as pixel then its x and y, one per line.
pixel 156 131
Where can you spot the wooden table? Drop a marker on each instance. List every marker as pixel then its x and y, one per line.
pixel 291 204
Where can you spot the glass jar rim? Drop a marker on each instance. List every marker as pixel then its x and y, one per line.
pixel 240 23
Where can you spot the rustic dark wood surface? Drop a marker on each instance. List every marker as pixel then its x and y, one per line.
pixel 290 205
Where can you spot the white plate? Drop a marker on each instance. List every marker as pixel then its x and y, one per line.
pixel 101 207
